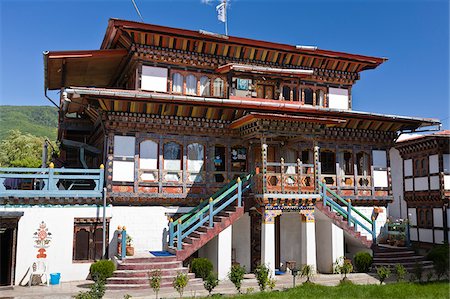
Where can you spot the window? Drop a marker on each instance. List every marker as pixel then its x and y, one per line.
pixel 218 88
pixel 88 239
pixel 123 164
pixel 154 78
pixel 362 163
pixel 219 163
pixel 425 217
pixel 191 85
pixel 177 83
pixel 421 167
pixel 286 93
pixel 196 157
pixel 308 96
pixel 172 161
pixel 148 160
pixel 328 162
pixel 306 157
pixel 238 159
pixel 346 163
pixel 205 86
pixel 320 97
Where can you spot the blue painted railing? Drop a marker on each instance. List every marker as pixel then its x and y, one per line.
pixel 206 210
pixel 51 182
pixel 346 210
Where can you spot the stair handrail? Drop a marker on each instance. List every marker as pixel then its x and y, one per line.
pixel 347 213
pixel 176 229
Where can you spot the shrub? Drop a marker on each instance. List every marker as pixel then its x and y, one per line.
pixel 343 266
pixel 383 273
pixel 440 256
pixel 211 281
pixel 400 272
pixel 262 274
pixel 155 281
pixel 101 270
pixel 97 291
pixel 307 271
pixel 236 275
pixel 363 261
pixel 418 271
pixel 180 282
pixel 202 267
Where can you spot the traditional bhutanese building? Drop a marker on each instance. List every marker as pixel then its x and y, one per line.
pixel 207 145
pixel 423 187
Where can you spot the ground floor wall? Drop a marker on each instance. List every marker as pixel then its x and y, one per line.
pixel 429 225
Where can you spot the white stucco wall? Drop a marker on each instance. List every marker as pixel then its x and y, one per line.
pixel 421 183
pixel 290 237
pixel 409 185
pixel 437 218
pixel 397 208
pixel 426 235
pixel 329 243
pixel 412 213
pixel 413 235
pixel 408 165
pixel 218 251
pixel 241 241
pixel 367 212
pixel 434 164
pixel 446 182
pixel 434 182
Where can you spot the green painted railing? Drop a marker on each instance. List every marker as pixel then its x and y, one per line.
pixel 206 210
pixel 51 182
pixel 346 210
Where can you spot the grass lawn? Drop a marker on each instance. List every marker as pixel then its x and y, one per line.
pixel 434 290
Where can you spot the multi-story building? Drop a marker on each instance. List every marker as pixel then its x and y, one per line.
pixel 260 137
pixel 424 166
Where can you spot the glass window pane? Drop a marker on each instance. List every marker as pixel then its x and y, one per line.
pixel 148 155
pixel 205 86
pixel 328 162
pixel 172 156
pixel 218 87
pixel 308 96
pixel 196 156
pixel 124 146
pixel 177 83
pixel 191 85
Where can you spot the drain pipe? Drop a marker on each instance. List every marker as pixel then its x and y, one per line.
pixel 45 53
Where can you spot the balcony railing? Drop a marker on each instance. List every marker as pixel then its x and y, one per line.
pixel 51 182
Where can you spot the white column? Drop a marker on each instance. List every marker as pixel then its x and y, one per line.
pixel 224 240
pixel 308 239
pixel 268 239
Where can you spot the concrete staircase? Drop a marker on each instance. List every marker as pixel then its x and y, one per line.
pixel 389 256
pixel 203 234
pixel 133 273
pixel 342 223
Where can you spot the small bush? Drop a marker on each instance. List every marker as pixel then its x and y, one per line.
pixel 383 273
pixel 363 261
pixel 400 272
pixel 440 256
pixel 307 271
pixel 201 267
pixel 418 271
pixel 210 282
pixel 262 274
pixel 343 266
pixel 155 281
pixel 236 275
pixel 101 270
pixel 180 282
pixel 97 291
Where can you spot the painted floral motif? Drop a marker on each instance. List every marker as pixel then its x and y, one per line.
pixel 42 239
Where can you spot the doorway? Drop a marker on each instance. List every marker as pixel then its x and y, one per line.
pixel 8 244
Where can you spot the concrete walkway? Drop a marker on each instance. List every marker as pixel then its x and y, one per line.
pixel 69 289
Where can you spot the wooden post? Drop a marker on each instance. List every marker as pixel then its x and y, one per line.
pixel 124 244
pixel 316 167
pixel 179 240
pixel 211 216
pixel 349 212
pixel 281 174
pixel 324 192
pixel 239 191
pixel 374 228
pixel 264 164
pixel 171 232
pixel 299 175
pixel 51 180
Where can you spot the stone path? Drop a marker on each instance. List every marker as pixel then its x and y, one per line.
pixel 69 289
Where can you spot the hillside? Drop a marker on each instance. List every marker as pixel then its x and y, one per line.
pixel 36 120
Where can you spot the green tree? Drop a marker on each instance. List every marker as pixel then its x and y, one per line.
pixel 21 150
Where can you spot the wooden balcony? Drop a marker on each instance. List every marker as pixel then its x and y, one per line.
pixel 51 183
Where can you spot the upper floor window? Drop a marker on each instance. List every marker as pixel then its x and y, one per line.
pixel 346 162
pixel 205 86
pixel 148 160
pixel 218 88
pixel 308 94
pixel 177 83
pixel 191 85
pixel 363 163
pixel 328 162
pixel 172 161
pixel 421 167
pixel 196 158
pixel 320 98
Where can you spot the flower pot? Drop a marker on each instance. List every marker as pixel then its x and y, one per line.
pixel 130 251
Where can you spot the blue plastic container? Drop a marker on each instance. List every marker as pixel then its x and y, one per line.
pixel 54 278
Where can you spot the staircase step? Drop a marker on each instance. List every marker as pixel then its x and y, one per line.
pixel 148 266
pixel 191 240
pixel 145 273
pixel 398 259
pixel 197 234
pixel 153 259
pixel 394 253
pixel 405 264
pixel 142 280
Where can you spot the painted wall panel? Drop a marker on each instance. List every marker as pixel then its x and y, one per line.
pixel 380 178
pixel 241 241
pixel 124 146
pixel 154 78
pixel 446 158
pixel 408 167
pixel 421 183
pixel 434 164
pixel 425 235
pixel 438 236
pixel 409 185
pixel 437 217
pixel 413 234
pixel 123 171
pixel 412 216
pixel 434 182
pixel 367 211
pixel 338 98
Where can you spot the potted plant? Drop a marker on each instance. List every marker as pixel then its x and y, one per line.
pixel 129 248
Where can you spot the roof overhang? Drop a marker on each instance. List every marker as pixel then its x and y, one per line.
pixel 82 68
pixel 354 119
pixel 246 68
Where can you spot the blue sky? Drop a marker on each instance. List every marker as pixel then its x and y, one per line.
pixel 414 35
